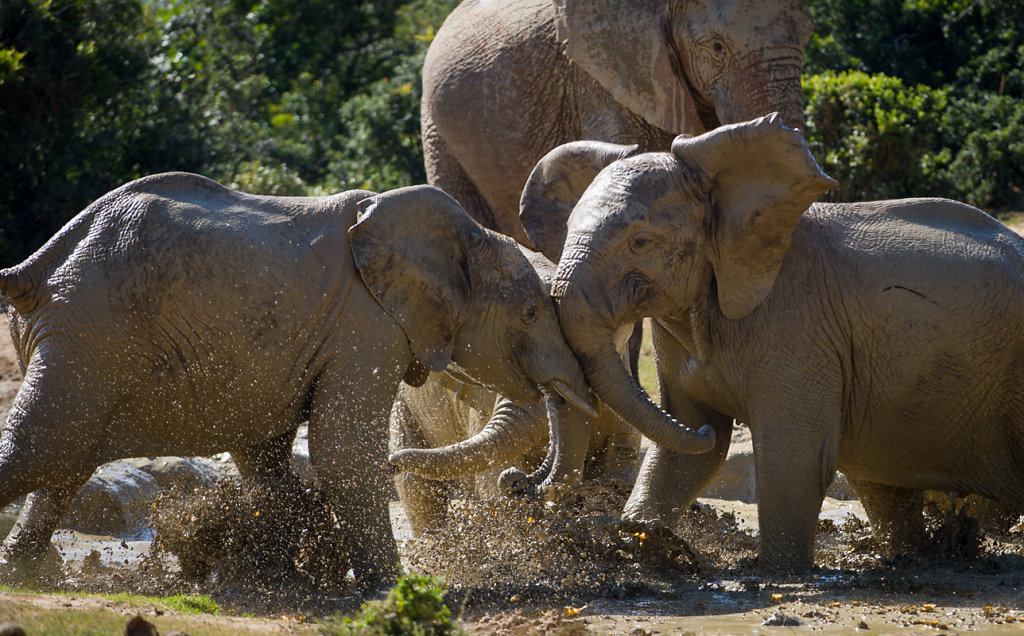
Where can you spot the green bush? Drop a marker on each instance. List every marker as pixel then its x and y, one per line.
pixel 988 168
pixel 882 139
pixel 877 137
pixel 415 606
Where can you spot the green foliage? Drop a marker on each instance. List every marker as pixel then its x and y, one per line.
pixel 414 606
pixel 881 138
pixel 271 96
pixel 918 98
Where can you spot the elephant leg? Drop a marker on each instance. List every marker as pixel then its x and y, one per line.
pixel 425 501
pixel 668 481
pixel 348 431
pixel 446 172
pixel 896 515
pixel 37 457
pixel 42 511
pixel 267 462
pixel 619 455
pixel 795 462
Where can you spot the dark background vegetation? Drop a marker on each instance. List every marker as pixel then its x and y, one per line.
pixel 904 98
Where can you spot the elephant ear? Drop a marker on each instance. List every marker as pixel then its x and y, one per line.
pixel 556 184
pixel 763 178
pixel 625 47
pixel 411 246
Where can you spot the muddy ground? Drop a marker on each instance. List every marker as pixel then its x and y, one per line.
pixel 519 567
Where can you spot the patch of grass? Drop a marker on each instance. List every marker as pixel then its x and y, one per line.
pixel 181 603
pixel 415 605
pixel 191 604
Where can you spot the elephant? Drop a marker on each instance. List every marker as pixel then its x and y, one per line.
pixel 880 339
pixel 174 316
pixel 449 429
pixel 505 82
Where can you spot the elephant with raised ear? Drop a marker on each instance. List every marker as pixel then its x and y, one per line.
pixel 174 316
pixel 505 82
pixel 881 339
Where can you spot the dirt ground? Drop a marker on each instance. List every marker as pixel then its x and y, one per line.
pixel 518 567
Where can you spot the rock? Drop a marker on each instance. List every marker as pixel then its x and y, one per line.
pixel 115 501
pixel 182 472
pixel 778 619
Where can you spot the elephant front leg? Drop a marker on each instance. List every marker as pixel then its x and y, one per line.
pixel 668 481
pixel 795 464
pixel 348 431
pixel 43 509
pixel 896 515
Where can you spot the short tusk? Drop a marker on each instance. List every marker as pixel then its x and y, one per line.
pixel 573 398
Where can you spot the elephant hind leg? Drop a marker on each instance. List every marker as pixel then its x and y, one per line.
pixel 896 515
pixel 47 441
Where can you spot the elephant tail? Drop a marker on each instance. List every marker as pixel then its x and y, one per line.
pixel 511 431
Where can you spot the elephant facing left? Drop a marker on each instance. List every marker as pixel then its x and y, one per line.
pixel 175 316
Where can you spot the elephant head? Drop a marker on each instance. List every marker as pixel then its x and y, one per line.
pixel 703 228
pixel 692 65
pixel 467 299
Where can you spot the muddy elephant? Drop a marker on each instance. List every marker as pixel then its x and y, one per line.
pixel 450 429
pixel 881 339
pixel 448 433
pixel 174 316
pixel 505 82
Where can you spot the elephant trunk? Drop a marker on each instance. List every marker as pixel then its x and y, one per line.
pixel 591 336
pixel 567 453
pixel 769 84
pixel 510 432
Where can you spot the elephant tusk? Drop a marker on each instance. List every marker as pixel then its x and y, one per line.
pixel 573 398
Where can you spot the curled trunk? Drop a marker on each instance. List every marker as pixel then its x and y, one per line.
pixel 608 377
pixel 567 452
pixel 510 432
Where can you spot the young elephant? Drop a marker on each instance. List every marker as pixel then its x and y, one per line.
pixel 177 317
pixel 449 429
pixel 881 339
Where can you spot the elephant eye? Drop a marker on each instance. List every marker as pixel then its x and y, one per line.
pixel 640 242
pixel 529 315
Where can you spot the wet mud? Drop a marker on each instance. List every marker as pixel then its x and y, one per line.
pixel 519 566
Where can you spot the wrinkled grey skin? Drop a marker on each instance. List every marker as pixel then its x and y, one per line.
pixel 881 339
pixel 176 317
pixel 448 433
pixel 505 82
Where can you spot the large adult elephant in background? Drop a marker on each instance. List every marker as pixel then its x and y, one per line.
pixel 505 82
pixel 174 316
pixel 882 339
